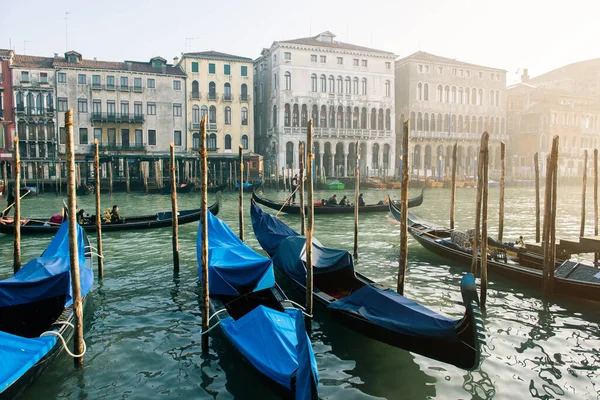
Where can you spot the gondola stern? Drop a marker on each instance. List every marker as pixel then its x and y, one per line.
pixel 474 335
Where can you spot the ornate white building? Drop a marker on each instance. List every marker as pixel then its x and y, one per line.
pixel 449 101
pixel 347 91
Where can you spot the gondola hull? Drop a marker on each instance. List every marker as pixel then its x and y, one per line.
pixel 159 220
pixel 295 208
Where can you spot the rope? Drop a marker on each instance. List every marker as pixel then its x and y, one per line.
pixel 63 339
pixel 215 325
pixel 301 308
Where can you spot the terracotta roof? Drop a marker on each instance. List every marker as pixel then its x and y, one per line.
pixel 21 61
pixel 423 56
pixel 215 55
pixel 573 71
pixel 312 41
pixel 136 66
pixel 4 53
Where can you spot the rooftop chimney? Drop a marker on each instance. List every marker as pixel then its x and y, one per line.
pixel 128 65
pixel 525 76
pixel 175 60
pixel 56 56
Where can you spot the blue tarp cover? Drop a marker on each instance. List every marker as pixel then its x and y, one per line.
pixel 395 312
pixel 268 339
pixel 46 276
pixel 244 185
pixel 269 230
pixel 18 354
pixel 306 375
pixel 231 264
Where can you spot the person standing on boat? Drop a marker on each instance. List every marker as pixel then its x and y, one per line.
pixel 294 187
pixel 10 199
pixel 115 217
pixel 361 201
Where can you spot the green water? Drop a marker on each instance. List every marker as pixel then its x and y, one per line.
pixel 142 322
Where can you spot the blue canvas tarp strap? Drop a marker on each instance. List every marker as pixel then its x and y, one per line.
pixel 18 355
pixel 233 267
pixel 397 313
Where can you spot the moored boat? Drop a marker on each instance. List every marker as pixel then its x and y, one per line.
pixel 254 313
pixel 571 278
pixel 334 185
pixel 161 219
pixel 33 303
pixel 368 308
pixel 332 209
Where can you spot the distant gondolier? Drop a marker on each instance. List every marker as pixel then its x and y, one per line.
pixel 294 187
pixel 10 199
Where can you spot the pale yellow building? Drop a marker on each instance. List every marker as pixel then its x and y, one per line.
pixel 218 85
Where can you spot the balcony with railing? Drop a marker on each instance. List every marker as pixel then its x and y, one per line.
pixel 212 96
pixel 195 95
pixel 339 133
pixel 454 136
pixel 213 127
pixel 227 97
pixel 117 118
pixel 195 125
pixel 34 111
pixel 122 147
pixel 244 98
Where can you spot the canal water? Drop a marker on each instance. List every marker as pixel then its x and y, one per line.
pixel 142 322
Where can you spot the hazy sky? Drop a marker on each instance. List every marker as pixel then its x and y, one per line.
pixel 509 34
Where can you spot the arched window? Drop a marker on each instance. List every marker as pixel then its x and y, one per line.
pixel 419 122
pixel 467 123
pixel 289 154
pixel 461 95
pixel 332 117
pixel 432 124
pixel 196 141
pixel 440 94
pixel 388 119
pixel 227 142
pixel 323 83
pixel 348 117
pixel 454 94
pixel 474 96
pixel 323 117
pixel 244 116
pixel 388 90
pixel 313 82
pixel 355 115
pixel 203 112
pixel 195 114
pixel 426 122
pixel 212 115
pixel 195 90
pixel 373 119
pixel 364 86
pixel 497 98
pixel 355 86
pixel 380 120
pixel 244 95
pixel 211 141
pixel 245 142
pixel 212 91
pixel 419 91
pixel 340 117
pixel 314 115
pixel 426 92
pixel 480 97
pixel 347 84
pixel 227 91
pixel 20 103
pixel 363 118
pixel 286 115
pixel 460 126
pixel 295 116
pixel 304 116
pixel 440 123
pixel 413 121
pixel 467 96
pixel 340 85
pixel 30 102
pixel 491 97
pixel 447 94
pixel 288 81
pixel 274 116
pixel 331 84
pixel 227 115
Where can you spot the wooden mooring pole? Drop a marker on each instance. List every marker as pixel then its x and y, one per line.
pixel 309 226
pixel 174 211
pixel 241 194
pixel 484 160
pixel 37 178
pixel 596 200
pixel 403 213
pixel 502 188
pixel 477 238
pixel 127 180
pixel 536 162
pixel 583 190
pixel 549 235
pixel 17 212
pixel 356 195
pixel 98 209
pixel 301 159
pixel 204 224
pixel 73 242
pixel 277 176
pixel 453 185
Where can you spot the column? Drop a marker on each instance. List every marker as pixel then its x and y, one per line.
pixel 345 165
pixel 321 162
pixel 369 159
pixel 332 164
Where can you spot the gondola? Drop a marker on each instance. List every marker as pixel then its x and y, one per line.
pixel 34 301
pixel 254 313
pixel 368 308
pixel 325 209
pixel 215 189
pixel 161 219
pixel 571 277
pixel 181 188
pixel 84 190
pixel 247 187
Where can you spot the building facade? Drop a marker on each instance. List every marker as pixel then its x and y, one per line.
pixel 537 114
pixel 6 103
pixel 449 101
pixel 346 90
pixel 218 86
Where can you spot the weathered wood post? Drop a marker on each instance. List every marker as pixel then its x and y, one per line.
pixel 596 200
pixel 73 242
pixel 301 159
pixel 277 176
pixel 231 185
pixel 536 163
pixel 17 213
pixel 127 181
pixel 37 178
pixel 453 186
pixel 356 194
pixel 549 235
pixel 241 193
pixel 5 174
pixel 484 160
pixel 98 209
pixel 555 143
pixel 174 212
pixel 403 213
pixel 477 238
pixel 59 175
pixel 204 243
pixel 502 184
pixel 583 189
pixel 309 226
pixel 248 172
pixel 220 172
pixel 110 176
